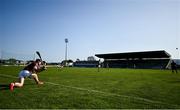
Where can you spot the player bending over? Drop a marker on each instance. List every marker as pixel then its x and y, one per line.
pixel 29 71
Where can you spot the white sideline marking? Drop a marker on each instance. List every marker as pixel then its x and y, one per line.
pixel 101 92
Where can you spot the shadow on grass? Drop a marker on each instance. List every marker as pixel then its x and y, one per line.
pixel 177 81
pixel 4 87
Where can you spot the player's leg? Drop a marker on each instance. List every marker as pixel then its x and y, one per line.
pixel 172 69
pixel 20 83
pixel 17 84
pixel 35 77
pixel 176 70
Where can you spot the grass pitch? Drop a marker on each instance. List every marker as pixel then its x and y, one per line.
pixel 86 88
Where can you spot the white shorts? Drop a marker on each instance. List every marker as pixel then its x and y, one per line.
pixel 24 74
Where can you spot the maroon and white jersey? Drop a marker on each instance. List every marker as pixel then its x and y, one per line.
pixel 33 67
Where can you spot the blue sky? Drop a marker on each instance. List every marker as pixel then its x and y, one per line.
pixel 92 27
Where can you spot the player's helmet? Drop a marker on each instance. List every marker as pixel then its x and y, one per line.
pixel 38 60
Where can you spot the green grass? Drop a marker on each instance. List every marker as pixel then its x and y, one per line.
pixel 77 88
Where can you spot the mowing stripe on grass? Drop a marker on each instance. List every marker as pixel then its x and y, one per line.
pixel 104 93
pixel 117 95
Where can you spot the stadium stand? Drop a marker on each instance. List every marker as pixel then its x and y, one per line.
pixel 144 60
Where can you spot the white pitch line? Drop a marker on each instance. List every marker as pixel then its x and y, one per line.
pixel 112 94
pixel 101 92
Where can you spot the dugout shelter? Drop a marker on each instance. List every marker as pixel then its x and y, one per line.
pixel 86 63
pixel 142 60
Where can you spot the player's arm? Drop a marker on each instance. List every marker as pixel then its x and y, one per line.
pixel 44 65
pixel 39 68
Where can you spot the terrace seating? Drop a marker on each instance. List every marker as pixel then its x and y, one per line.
pixel 146 59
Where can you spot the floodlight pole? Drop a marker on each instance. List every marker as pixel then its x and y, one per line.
pixel 66 41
